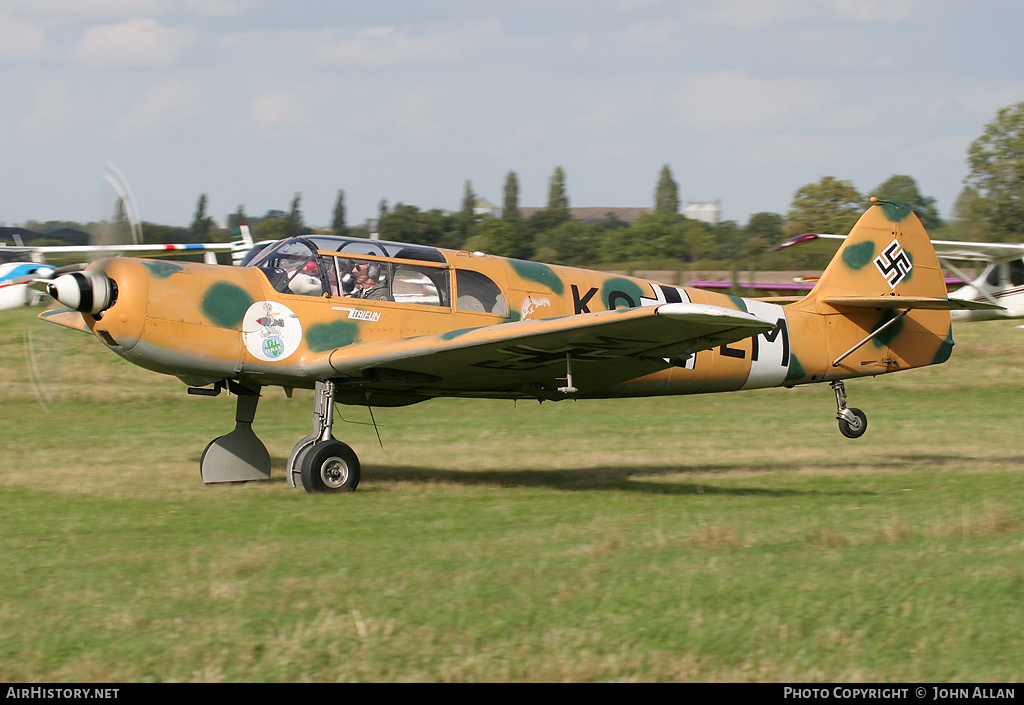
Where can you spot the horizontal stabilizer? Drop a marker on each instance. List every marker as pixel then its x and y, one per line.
pixel 910 302
pixel 827 244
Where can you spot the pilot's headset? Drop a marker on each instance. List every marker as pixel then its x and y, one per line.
pixel 376 272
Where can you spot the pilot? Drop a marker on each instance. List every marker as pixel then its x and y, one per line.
pixel 366 280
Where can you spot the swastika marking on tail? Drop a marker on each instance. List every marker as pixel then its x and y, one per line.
pixel 894 264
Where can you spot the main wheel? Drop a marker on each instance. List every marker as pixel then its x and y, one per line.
pixel 855 428
pixel 329 466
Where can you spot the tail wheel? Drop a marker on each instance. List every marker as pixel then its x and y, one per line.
pixel 329 466
pixel 854 424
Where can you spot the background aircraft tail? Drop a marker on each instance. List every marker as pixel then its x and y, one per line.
pixel 241 243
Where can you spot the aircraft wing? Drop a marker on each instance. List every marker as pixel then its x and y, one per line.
pixel 152 250
pixel 813 243
pixel 526 357
pixel 822 243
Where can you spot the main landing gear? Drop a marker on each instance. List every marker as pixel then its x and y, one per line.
pixel 852 421
pixel 319 462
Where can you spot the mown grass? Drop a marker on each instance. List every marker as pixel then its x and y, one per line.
pixel 732 537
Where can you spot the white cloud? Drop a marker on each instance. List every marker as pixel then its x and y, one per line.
pixel 749 14
pixel 50 115
pixel 388 46
pixel 163 106
pixel 522 140
pixel 296 109
pixel 273 108
pixel 732 100
pixel 874 10
pixel 218 7
pixel 660 33
pixel 135 42
pixel 413 111
pixel 89 8
pixel 20 39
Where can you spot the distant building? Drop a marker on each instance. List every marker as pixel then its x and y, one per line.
pixel 706 211
pixel 485 207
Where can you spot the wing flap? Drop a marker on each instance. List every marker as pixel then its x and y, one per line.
pixel 605 348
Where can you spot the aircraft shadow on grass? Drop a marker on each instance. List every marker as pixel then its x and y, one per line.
pixel 630 479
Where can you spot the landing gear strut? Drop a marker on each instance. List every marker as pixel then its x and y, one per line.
pixel 238 456
pixel 852 421
pixel 319 462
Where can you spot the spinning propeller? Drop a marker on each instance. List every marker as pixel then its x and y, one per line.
pixel 77 288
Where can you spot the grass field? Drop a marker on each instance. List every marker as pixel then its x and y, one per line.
pixel 730 537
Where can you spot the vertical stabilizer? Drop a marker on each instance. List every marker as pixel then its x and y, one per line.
pixel 881 304
pixel 241 243
pixel 887 253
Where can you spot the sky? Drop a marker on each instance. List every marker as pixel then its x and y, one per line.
pixel 254 101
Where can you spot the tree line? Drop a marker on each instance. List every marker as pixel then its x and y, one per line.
pixel 990 207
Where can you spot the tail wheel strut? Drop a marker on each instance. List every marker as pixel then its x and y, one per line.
pixel 852 421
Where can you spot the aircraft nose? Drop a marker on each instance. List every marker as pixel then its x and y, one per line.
pixel 87 291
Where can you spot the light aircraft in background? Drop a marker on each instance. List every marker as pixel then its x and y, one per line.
pixel 17 272
pixel 375 323
pixel 1001 282
pixel 22 265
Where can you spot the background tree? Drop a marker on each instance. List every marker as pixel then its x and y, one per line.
pixel 558 199
pixel 657 236
pixel 666 196
pixel 967 220
pixel 699 240
pixel 535 233
pixel 293 222
pixel 237 217
pixel 829 206
pixel 338 225
pixel 410 224
pixel 467 218
pixel 201 223
pixel 495 237
pixel 271 228
pixel 510 210
pixel 996 162
pixel 904 189
pixel 572 243
pixel 767 226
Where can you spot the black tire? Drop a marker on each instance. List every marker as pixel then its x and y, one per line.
pixel 856 428
pixel 329 466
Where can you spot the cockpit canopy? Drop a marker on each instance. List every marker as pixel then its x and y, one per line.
pixel 319 265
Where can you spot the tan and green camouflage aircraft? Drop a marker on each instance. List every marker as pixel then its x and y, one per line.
pixel 377 323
